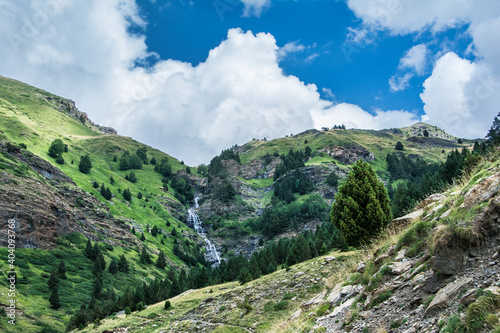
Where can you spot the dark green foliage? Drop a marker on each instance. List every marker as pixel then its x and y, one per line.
pixel 89 250
pixel 167 305
pixel 53 280
pixel 106 192
pixel 399 146
pixel 56 148
pixel 153 160
pixel 95 185
pixel 54 299
pixel 361 209
pixel 295 182
pixel 131 177
pixel 139 195
pixel 126 194
pixel 60 160
pixel 142 238
pixel 61 270
pixel 145 257
pixel 113 267
pixel 111 181
pixel 154 231
pixel 299 251
pixel 85 164
pixel 225 192
pixel 332 179
pixel 188 170
pixel 164 168
pixel 184 191
pixel 426 133
pixel 23 145
pixel 203 170
pixel 308 151
pixel 493 136
pixel 293 160
pixel 123 264
pixel 281 217
pixel 460 141
pixel 161 262
pixel 128 161
pixel 143 155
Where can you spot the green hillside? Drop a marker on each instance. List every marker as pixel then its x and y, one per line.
pixel 35 118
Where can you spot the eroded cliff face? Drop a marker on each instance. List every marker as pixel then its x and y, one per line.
pixel 48 204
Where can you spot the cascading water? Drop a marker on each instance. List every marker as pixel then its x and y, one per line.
pixel 196 223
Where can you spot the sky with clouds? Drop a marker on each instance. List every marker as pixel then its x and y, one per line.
pixel 193 77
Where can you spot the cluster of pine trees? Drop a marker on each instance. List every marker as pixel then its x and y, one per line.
pixel 293 160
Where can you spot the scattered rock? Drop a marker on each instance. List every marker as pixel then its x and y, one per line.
pixel 400 267
pixel 299 274
pixel 445 295
pixel 318 299
pixel 361 267
pixel 401 255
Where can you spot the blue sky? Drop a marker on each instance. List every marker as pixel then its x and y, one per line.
pixel 193 77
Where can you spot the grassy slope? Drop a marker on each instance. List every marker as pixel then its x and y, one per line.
pixel 378 142
pixel 27 117
pixel 174 319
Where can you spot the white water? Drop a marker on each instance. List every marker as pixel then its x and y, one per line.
pixel 196 223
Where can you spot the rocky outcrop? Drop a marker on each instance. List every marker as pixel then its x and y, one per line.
pixel 68 106
pixel 349 154
pixel 53 206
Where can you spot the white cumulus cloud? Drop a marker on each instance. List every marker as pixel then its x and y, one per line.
pixel 460 96
pixel 255 7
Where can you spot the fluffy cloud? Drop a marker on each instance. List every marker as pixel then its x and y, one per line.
pixel 83 50
pixel 255 7
pixel 398 83
pixel 353 116
pixel 459 96
pixel 415 59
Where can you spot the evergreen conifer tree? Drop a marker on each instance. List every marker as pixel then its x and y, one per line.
pixel 399 146
pixel 361 209
pixel 53 280
pixel 56 148
pixel 161 262
pixel 123 264
pixel 113 267
pixel 54 299
pixel 126 194
pixel 61 270
pixel 85 164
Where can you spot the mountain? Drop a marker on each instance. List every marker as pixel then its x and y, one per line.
pixel 434 270
pixel 131 209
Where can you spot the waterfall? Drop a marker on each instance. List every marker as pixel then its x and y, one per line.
pixel 196 223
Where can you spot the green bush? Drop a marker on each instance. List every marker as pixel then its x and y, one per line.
pixel 282 305
pixel 361 209
pixel 152 315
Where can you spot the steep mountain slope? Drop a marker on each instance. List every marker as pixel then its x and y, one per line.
pixel 253 173
pixel 436 269
pixel 56 207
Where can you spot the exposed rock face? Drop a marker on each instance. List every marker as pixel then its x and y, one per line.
pixel 445 295
pixel 485 190
pixel 255 169
pixel 349 154
pixel 69 107
pixel 51 207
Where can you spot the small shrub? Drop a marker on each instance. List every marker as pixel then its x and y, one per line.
pixel 127 311
pixel 167 305
pixel 289 296
pixel 152 315
pixel 60 160
pixel 245 305
pixel 222 308
pixel 268 306
pixel 382 298
pixel 282 305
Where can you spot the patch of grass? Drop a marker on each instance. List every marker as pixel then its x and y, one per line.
pixel 281 305
pixel 382 298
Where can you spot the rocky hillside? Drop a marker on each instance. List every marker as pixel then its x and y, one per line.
pixel 435 270
pixel 333 151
